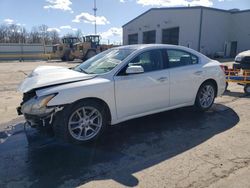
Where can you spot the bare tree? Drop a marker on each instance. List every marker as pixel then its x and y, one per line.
pixel 78 34
pixel 12 34
pixel 34 35
pixel 54 37
pixel 39 34
pixel 44 33
pixel 3 34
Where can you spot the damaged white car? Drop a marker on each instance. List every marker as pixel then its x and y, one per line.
pixel 117 85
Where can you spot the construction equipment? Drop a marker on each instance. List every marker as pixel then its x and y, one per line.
pixel 73 47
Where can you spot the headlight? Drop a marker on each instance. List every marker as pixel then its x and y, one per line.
pixel 238 58
pixel 37 105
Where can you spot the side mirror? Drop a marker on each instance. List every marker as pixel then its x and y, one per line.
pixel 135 69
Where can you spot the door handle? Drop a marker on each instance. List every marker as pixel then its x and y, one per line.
pixel 162 79
pixel 198 73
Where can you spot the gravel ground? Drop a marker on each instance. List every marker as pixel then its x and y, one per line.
pixel 178 148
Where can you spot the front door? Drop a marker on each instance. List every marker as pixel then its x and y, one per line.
pixel 141 93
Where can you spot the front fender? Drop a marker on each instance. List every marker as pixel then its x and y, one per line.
pixel 69 93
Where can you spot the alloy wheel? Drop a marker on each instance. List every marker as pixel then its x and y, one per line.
pixel 206 97
pixel 85 123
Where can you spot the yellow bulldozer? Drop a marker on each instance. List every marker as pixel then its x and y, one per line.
pixel 73 48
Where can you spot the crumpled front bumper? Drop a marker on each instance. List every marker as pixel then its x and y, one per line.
pixel 18 110
pixel 40 120
pixel 35 120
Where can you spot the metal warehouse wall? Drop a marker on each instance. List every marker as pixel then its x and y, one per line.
pixel 240 28
pixel 164 19
pixel 208 30
pixel 215 31
pixel 16 51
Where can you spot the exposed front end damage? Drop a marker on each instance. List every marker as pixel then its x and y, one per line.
pixel 36 111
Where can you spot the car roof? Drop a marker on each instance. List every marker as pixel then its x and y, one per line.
pixel 142 46
pixel 156 46
pixel 159 46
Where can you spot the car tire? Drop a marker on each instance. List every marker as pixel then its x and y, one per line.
pixel 247 89
pixel 205 96
pixel 75 122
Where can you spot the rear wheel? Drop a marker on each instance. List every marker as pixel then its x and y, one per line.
pixel 205 96
pixel 81 123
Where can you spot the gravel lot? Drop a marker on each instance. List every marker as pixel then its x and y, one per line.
pixel 179 148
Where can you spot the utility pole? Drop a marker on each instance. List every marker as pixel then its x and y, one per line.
pixel 95 9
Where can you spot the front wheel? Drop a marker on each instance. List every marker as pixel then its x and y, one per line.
pixel 205 96
pixel 81 123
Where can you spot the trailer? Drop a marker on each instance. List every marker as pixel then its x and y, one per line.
pixel 239 76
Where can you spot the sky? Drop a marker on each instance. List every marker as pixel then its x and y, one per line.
pixel 66 16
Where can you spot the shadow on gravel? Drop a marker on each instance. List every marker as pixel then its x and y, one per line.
pixel 41 161
pixel 236 94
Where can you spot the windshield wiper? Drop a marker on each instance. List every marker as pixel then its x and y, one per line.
pixel 82 70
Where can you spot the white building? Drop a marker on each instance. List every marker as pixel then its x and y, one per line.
pixel 208 30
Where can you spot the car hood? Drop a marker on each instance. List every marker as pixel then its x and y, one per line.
pixel 51 75
pixel 245 53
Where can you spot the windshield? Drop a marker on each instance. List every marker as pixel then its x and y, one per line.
pixel 104 62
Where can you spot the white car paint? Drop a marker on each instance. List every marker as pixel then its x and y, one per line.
pixel 132 90
pixel 134 95
pixel 51 75
pixel 241 55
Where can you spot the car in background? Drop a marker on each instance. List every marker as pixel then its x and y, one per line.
pixel 117 85
pixel 242 60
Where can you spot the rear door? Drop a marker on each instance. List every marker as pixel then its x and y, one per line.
pixel 186 74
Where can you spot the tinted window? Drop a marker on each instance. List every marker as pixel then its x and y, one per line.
pixel 150 60
pixel 178 58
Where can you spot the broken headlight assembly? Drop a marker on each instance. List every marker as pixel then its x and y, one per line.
pixel 38 105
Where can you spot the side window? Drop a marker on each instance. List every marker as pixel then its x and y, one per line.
pixel 150 60
pixel 177 58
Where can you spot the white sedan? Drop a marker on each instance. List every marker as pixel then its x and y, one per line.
pixel 117 85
